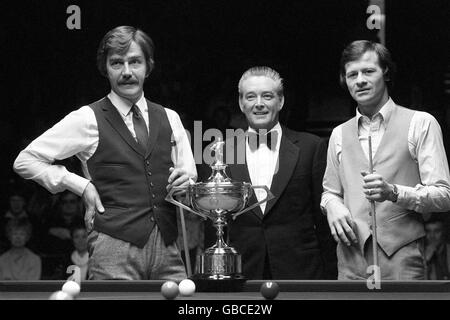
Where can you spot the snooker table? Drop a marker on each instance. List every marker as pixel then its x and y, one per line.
pixel 289 290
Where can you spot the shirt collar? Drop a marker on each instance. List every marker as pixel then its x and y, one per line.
pixel 385 112
pixel 276 127
pixel 124 106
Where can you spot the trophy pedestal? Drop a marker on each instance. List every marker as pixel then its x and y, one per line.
pixel 210 283
pixel 219 269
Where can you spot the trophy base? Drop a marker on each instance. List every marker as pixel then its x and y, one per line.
pixel 218 283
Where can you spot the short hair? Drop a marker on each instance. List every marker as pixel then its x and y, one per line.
pixel 19 224
pixel 357 49
pixel 262 71
pixel 119 40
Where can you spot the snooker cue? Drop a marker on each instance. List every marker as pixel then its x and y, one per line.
pixel 174 156
pixel 186 248
pixel 372 210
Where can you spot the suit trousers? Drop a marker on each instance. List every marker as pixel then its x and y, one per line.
pixel 407 263
pixel 115 259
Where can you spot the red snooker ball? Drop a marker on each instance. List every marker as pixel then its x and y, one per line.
pixel 169 290
pixel 269 290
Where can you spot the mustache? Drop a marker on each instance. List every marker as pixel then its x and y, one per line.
pixel 130 81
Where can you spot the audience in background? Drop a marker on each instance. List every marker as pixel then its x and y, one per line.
pixel 68 212
pixel 78 257
pixel 56 240
pixel 16 210
pixel 40 205
pixel 437 250
pixel 19 262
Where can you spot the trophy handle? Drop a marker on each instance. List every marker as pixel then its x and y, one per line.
pixel 269 196
pixel 170 199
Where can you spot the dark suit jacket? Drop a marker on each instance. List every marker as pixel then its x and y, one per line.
pixel 293 231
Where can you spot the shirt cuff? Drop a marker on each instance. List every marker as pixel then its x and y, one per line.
pixel 407 197
pixel 328 198
pixel 75 183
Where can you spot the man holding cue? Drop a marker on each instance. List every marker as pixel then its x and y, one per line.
pixel 410 173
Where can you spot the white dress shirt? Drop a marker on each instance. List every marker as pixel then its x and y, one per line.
pixel 77 134
pixel 262 164
pixel 426 147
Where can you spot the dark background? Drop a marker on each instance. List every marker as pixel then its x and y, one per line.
pixel 203 47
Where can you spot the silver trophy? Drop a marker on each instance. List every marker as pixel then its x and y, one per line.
pixel 219 268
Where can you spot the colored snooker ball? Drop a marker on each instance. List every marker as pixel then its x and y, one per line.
pixel 169 290
pixel 269 290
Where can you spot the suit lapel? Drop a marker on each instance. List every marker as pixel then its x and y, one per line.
pixel 239 172
pixel 154 121
pixel 287 160
pixel 116 121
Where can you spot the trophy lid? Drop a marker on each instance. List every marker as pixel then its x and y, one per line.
pixel 218 174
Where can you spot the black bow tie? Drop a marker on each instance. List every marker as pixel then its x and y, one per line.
pixel 255 139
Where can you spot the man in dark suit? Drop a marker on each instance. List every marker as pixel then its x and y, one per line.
pixel 132 152
pixel 287 237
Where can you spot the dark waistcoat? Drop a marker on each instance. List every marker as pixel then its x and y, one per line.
pixel 131 182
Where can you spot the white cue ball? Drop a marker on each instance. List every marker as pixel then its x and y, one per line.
pixel 72 288
pixel 186 287
pixel 60 295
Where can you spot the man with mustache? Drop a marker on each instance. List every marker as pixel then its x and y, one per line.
pixel 132 152
pixel 286 237
pixel 410 173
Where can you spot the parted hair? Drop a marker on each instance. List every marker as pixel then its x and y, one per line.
pixel 118 40
pixel 357 49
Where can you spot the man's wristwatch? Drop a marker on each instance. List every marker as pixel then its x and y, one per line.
pixel 394 195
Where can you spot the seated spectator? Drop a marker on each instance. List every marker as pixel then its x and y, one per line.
pixel 437 250
pixel 16 210
pixel 78 257
pixel 40 204
pixel 19 262
pixel 68 213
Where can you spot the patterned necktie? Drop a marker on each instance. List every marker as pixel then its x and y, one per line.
pixel 140 128
pixel 255 139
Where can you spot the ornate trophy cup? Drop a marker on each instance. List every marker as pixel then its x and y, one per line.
pixel 219 198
